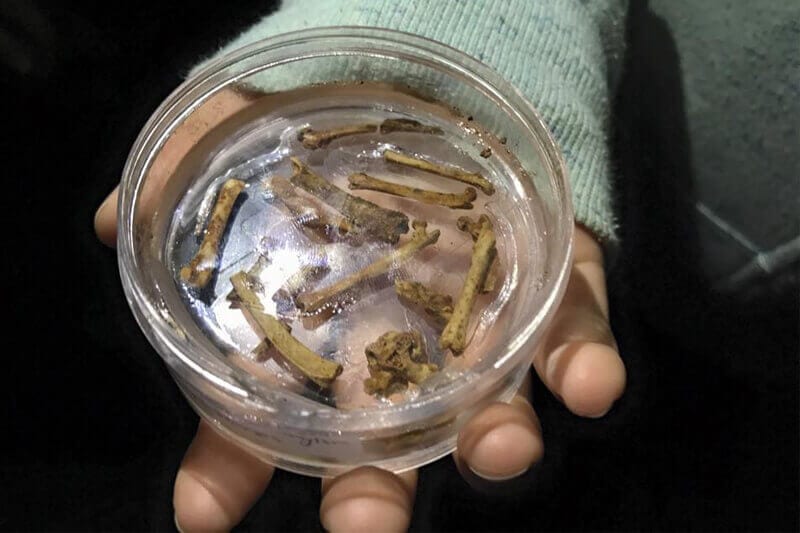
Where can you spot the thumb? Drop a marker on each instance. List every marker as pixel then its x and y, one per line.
pixel 105 220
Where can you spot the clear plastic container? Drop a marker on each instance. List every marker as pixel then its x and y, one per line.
pixel 243 116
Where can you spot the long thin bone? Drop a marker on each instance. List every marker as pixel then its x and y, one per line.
pixel 451 200
pixel 473 227
pixel 391 125
pixel 199 270
pixel 382 224
pixel 319 370
pixel 311 302
pixel 483 252
pixel 312 139
pixel 439 307
pixel 307 212
pixel 446 171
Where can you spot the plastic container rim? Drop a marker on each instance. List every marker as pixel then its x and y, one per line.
pixel 331 41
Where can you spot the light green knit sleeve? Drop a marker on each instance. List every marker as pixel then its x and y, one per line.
pixel 562 55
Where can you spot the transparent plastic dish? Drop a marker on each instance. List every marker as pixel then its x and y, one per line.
pixel 273 295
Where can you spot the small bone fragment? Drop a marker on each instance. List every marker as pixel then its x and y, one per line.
pixel 312 302
pixel 451 200
pixel 319 370
pixel 472 227
pixel 307 212
pixel 483 253
pixel 395 359
pixel 382 224
pixel 446 171
pixel 437 306
pixel 312 139
pixel 391 125
pixel 199 270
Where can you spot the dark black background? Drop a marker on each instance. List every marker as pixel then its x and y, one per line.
pixel 93 427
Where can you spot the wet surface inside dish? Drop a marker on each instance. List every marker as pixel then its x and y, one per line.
pixel 356 253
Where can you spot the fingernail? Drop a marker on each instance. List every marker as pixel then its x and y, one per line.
pixel 365 514
pixel 496 478
pixel 177 525
pixel 505 452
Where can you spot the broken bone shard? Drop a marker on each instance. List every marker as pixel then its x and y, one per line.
pixel 309 364
pixel 199 270
pixel 473 227
pixel 382 224
pixel 391 125
pixel 312 139
pixel 437 306
pixel 451 200
pixel 446 171
pixel 307 212
pixel 394 360
pixel 311 302
pixel 483 252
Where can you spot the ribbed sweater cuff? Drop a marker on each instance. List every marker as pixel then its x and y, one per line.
pixel 558 53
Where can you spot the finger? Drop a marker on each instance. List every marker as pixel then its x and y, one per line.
pixel 579 362
pixel 105 220
pixel 368 499
pixel 501 442
pixel 217 483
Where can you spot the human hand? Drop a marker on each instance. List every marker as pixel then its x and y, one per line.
pixel 218 482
